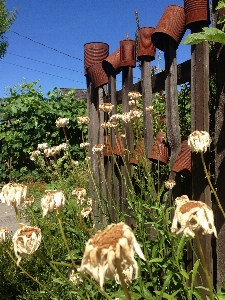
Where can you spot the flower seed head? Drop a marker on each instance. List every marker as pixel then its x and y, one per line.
pixel 13 194
pixel 199 141
pixel 54 200
pixel 61 122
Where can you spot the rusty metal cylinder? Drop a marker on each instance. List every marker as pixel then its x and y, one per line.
pixel 170 29
pixel 196 13
pixel 127 53
pixel 94 53
pixel 145 45
pixel 114 59
pixel 97 75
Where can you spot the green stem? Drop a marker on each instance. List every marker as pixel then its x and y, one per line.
pixel 126 293
pixel 211 186
pixel 25 272
pixel 17 214
pixel 202 258
pixel 64 239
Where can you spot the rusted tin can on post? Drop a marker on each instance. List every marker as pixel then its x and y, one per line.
pixel 160 150
pixel 97 75
pixel 127 53
pixel 113 60
pixel 94 53
pixel 145 45
pixel 196 13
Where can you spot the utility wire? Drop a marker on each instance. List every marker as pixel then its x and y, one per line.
pixel 45 45
pixel 43 62
pixel 40 71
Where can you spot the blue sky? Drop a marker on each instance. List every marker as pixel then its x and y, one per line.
pixel 66 25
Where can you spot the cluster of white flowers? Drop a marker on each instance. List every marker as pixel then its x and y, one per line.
pixel 42 147
pixel 169 184
pixel 63 146
pixel 52 200
pixel 136 114
pixel 106 125
pixel 52 151
pixel 116 117
pixel 84 145
pixel 86 211
pixel 114 245
pixel 26 240
pixel 4 232
pixel 106 107
pixel 192 215
pixel 199 141
pixel 134 95
pixel 81 193
pixel 74 276
pixel 83 120
pixel 35 154
pixel 61 122
pixel 98 148
pixel 149 108
pixel 29 201
pixel 13 194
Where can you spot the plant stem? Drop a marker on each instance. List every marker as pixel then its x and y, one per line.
pixel 202 258
pixel 127 295
pixel 17 215
pixel 211 186
pixel 25 272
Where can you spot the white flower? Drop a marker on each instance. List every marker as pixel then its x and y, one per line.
pixel 105 125
pixel 114 245
pixel 54 200
pixel 199 141
pixel 35 154
pixel 26 240
pixel 169 184
pixel 52 151
pixel 29 201
pixel 136 114
pixel 126 117
pixel 116 117
pixel 149 108
pixel 133 103
pixel 84 145
pixel 76 163
pixel 83 120
pixel 79 192
pixel 98 148
pixel 4 232
pixel 74 276
pixel 61 122
pixel 13 194
pixel 90 201
pixel 192 215
pixel 63 146
pixel 106 107
pixel 134 95
pixel 86 212
pixel 42 146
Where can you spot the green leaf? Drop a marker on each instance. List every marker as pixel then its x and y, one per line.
pixel 208 34
pixel 156 260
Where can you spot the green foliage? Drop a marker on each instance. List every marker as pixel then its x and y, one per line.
pixel 6 19
pixel 28 118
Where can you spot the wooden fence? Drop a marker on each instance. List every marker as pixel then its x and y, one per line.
pixel 196 71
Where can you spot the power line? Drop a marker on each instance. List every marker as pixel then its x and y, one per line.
pixel 40 71
pixel 45 45
pixel 43 62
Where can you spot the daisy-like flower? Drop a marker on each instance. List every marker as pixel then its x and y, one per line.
pixel 199 141
pixel 61 122
pixel 192 215
pixel 98 148
pixel 52 151
pixel 134 95
pixel 26 240
pixel 4 232
pixel 84 145
pixel 13 194
pixel 86 212
pixel 35 154
pixel 74 276
pixel 54 200
pixel 169 184
pixel 83 120
pixel 149 108
pixel 42 146
pixel 114 245
pixel 29 201
pixel 79 192
pixel 106 107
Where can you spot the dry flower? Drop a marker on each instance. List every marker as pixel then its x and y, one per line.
pixel 116 117
pixel 13 194
pixel 114 245
pixel 35 154
pixel 105 125
pixel 26 240
pixel 192 215
pixel 134 95
pixel 74 276
pixel 98 148
pixel 113 124
pixel 52 151
pixel 126 117
pixel 136 114
pixel 106 107
pixel 169 184
pixel 84 145
pixel 83 120
pixel 53 200
pixel 4 232
pixel 42 146
pixel 29 201
pixel 199 141
pixel 61 122
pixel 86 212
pixel 90 201
pixel 63 146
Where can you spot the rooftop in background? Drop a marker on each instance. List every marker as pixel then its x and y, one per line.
pixel 79 93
